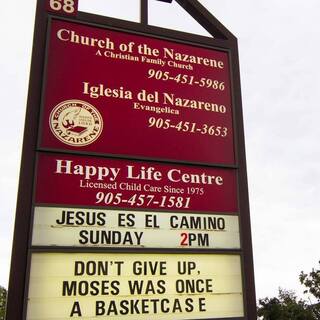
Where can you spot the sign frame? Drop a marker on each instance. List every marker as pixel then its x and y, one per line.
pixel 22 250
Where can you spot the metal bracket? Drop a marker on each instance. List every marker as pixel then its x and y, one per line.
pixel 199 13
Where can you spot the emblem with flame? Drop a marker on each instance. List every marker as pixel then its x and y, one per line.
pixel 76 122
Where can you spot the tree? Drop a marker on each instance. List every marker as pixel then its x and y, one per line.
pixel 285 307
pixel 3 300
pixel 288 307
pixel 312 283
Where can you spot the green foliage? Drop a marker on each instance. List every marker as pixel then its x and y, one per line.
pixel 312 283
pixel 285 307
pixel 3 299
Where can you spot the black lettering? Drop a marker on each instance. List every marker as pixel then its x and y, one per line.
pixel 104 287
pixel 115 288
pixel 95 287
pixel 154 305
pixel 202 304
pixel 119 266
pixel 63 218
pixel 189 305
pixel 91 268
pixel 135 287
pixel 80 217
pixel 130 218
pixel 173 224
pixel 76 310
pixel 70 218
pixel 150 287
pixel 185 267
pixel 78 268
pixel 165 309
pixel 162 287
pixel 112 308
pixel 149 220
pixel 121 220
pixel 83 288
pixel 194 286
pixel 124 304
pixel 176 306
pixel 144 306
pixel 83 239
pixel 100 308
pixel 147 287
pixel 69 288
pixel 101 219
pixel 149 267
pixel 134 307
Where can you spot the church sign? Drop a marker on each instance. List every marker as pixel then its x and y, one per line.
pixel 133 200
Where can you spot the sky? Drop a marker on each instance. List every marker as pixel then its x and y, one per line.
pixel 279 61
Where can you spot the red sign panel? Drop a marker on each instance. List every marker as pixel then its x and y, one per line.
pixel 92 181
pixel 112 92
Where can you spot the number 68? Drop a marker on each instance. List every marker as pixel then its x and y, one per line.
pixel 65 5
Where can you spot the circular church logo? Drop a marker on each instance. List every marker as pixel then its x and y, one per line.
pixel 76 122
